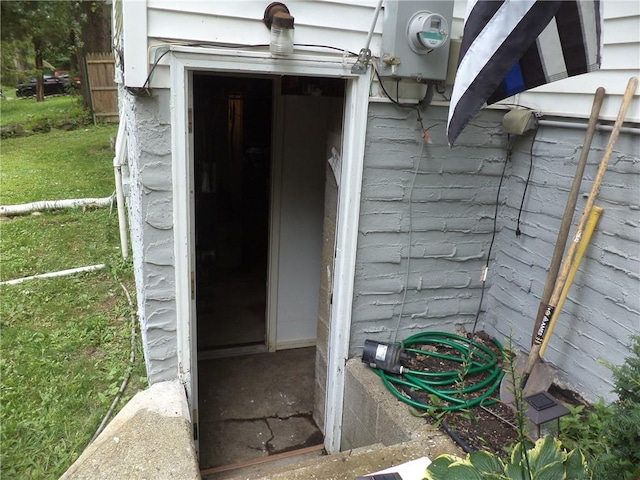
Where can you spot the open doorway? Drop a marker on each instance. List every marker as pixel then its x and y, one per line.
pixel 232 151
pixel 260 170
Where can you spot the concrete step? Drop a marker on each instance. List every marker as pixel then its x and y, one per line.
pixel 340 466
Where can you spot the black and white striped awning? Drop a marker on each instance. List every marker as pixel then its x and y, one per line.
pixel 510 46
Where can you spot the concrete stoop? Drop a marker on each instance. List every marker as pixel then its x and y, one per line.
pixel 149 439
pixel 350 464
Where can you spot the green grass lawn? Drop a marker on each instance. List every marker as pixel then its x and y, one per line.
pixel 65 342
pixel 57 110
pixel 57 165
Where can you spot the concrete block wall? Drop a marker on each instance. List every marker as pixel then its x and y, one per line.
pixel 324 308
pixel 151 227
pixel 372 415
pixel 449 220
pixel 603 307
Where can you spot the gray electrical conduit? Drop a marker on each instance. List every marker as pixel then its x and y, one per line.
pixel 362 63
pixel 373 24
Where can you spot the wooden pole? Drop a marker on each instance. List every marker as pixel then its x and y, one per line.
pixel 567 218
pixel 534 353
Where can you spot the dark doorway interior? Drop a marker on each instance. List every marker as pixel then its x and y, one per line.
pixel 261 405
pixel 232 119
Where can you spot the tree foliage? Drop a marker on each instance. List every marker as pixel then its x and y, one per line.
pixel 53 32
pixel 47 25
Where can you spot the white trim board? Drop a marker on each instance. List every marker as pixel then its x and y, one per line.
pixel 183 61
pixel 297 343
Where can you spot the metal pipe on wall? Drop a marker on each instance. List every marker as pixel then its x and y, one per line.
pixel 583 126
pixel 120 146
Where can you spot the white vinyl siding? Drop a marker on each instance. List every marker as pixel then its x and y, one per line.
pixel 339 25
pixel 344 25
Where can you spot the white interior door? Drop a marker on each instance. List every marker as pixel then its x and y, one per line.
pixel 303 162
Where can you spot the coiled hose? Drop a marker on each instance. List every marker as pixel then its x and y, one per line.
pixel 451 389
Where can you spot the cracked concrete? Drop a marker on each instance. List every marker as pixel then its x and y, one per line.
pixel 255 406
pixel 286 433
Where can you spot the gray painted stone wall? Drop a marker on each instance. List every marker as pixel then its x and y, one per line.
pixel 151 227
pixel 435 284
pixel 603 306
pixel 450 220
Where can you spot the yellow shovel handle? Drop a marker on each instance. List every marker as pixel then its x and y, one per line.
pixel 594 216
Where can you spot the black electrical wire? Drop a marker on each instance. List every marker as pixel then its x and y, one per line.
pixel 493 238
pixel 386 94
pixel 326 46
pixel 403 105
pixel 145 86
pixel 526 185
pixel 456 438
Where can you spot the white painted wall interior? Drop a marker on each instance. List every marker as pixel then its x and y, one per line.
pixel 305 131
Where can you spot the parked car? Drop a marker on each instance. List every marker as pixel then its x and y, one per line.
pixel 65 76
pixel 52 86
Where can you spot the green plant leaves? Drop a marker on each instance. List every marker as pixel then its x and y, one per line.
pixel 545 461
pixel 486 462
pixel 517 472
pixel 438 468
pixel 575 464
pixel 546 451
pixel 552 471
pixel 463 471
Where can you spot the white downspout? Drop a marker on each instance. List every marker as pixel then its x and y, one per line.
pixel 121 141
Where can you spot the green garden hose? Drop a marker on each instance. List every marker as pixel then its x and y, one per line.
pixel 450 390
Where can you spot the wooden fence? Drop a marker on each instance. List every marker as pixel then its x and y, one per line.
pixel 104 92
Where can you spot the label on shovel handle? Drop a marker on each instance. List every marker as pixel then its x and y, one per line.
pixel 544 325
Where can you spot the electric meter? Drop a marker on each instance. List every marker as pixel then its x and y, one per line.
pixel 427 31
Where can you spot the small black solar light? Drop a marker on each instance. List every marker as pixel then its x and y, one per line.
pixel 544 408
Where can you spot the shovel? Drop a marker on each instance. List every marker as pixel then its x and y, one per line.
pixel 534 354
pixel 567 217
pixel 542 375
pixel 537 376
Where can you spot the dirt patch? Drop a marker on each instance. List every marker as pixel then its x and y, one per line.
pixel 489 428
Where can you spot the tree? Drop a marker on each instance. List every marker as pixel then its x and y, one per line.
pixel 62 31
pixel 94 19
pixel 47 25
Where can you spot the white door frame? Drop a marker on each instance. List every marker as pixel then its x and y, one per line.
pixel 185 60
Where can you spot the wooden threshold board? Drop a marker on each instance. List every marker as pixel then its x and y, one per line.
pixel 261 460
